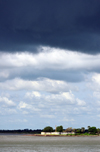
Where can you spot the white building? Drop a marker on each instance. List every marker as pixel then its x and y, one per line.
pixel 57 133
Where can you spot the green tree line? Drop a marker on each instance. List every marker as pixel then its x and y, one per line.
pixel 91 130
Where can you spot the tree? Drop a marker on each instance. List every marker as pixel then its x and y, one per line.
pixel 48 129
pixel 98 131
pixel 78 130
pixel 69 129
pixel 59 128
pixel 92 130
pixel 88 127
pixel 73 129
pixel 82 129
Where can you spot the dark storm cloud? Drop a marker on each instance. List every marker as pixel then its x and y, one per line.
pixel 26 24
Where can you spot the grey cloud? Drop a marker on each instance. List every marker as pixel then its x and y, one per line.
pixel 27 73
pixel 24 25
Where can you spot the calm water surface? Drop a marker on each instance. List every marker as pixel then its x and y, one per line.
pixel 17 143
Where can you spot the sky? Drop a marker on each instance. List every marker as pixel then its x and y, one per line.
pixel 49 63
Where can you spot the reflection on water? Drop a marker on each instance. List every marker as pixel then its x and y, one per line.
pixel 17 143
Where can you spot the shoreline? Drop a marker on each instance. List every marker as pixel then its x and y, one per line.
pixel 61 135
pixel 39 135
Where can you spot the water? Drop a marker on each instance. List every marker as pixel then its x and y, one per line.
pixel 18 143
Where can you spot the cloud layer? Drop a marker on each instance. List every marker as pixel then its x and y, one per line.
pixel 53 83
pixel 72 25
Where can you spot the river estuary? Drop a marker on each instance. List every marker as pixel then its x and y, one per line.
pixel 20 143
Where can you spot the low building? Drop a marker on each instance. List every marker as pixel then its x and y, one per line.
pixel 50 133
pixel 57 133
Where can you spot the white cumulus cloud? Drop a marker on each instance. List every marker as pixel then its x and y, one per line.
pixel 43 84
pixel 51 58
pixel 6 102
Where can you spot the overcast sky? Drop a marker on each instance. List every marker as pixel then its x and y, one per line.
pixel 49 63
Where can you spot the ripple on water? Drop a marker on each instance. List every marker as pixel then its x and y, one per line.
pixel 49 144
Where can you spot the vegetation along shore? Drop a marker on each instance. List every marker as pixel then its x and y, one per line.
pixel 58 131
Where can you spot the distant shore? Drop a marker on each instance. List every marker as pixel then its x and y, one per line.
pixel 61 135
pixel 23 134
